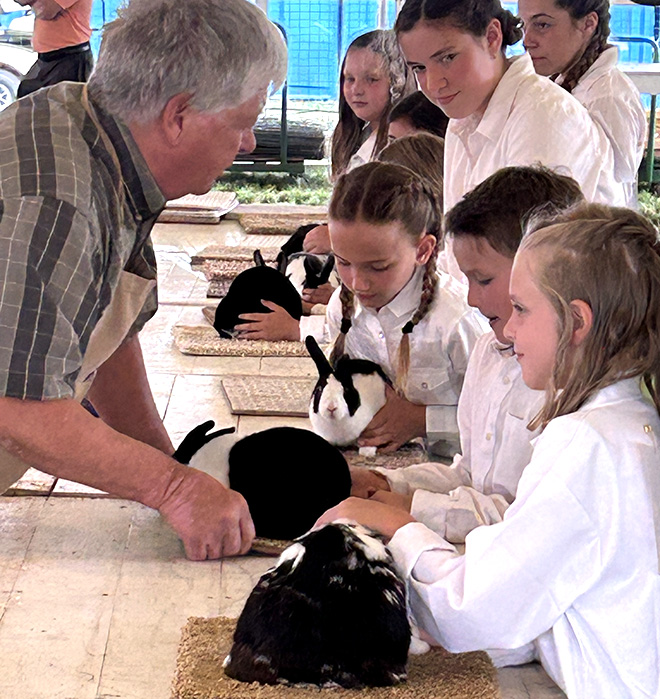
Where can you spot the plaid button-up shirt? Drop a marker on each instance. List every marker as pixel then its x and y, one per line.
pixel 77 204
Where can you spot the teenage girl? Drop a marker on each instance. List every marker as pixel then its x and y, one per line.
pixel 573 567
pixel 567 41
pixel 500 112
pixel 394 308
pixel 373 78
pixel 416 113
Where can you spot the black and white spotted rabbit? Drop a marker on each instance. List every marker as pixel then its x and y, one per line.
pixel 332 612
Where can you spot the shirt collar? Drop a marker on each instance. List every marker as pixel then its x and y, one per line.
pixel 491 123
pixel 144 195
pixel 405 302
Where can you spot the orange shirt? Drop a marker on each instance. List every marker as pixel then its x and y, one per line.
pixel 69 28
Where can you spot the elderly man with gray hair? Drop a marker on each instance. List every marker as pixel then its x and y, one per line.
pixel 84 172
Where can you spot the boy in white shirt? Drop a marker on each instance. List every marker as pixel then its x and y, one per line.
pixel 495 405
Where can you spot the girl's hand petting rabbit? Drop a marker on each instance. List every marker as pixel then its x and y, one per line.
pixel 278 325
pixel 376 515
pixel 395 424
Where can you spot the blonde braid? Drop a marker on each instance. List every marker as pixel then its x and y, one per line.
pixel 347 309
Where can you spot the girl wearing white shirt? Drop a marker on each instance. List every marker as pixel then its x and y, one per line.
pixel 573 567
pixel 567 41
pixel 394 308
pixel 501 112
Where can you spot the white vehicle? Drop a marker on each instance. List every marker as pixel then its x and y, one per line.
pixel 16 54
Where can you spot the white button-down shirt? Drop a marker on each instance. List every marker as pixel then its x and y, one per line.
pixel 614 102
pixel 574 565
pixel 494 410
pixel 440 346
pixel 529 120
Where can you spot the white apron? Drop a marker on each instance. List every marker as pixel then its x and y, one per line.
pixel 110 332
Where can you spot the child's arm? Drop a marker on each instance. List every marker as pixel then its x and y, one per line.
pixel 278 325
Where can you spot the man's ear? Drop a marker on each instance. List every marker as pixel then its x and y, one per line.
pixel 173 117
pixel 583 320
pixel 425 248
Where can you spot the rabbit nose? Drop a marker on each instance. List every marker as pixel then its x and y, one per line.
pixel 331 409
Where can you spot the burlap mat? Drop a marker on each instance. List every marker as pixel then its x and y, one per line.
pixel 218 288
pixel 269 547
pixel 407 455
pixel 181 216
pixel 268 395
pixel 435 675
pixel 275 223
pixel 205 208
pixel 213 253
pixel 203 340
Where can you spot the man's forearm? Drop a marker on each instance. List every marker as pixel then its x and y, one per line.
pixel 122 397
pixel 63 439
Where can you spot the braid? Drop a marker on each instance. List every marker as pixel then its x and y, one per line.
pixel 598 43
pixel 347 307
pixel 429 284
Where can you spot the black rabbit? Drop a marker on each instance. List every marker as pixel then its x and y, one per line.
pixel 331 612
pixel 247 291
pixel 288 476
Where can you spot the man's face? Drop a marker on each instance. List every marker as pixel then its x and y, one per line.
pixel 212 140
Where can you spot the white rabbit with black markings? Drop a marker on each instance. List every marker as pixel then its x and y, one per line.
pixel 346 397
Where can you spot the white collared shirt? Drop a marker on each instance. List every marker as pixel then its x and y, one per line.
pixel 529 120
pixel 364 154
pixel 614 102
pixel 439 348
pixel 573 566
pixel 494 410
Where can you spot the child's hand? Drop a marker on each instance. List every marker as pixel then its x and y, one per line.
pixel 395 424
pixel 321 294
pixel 403 502
pixel 376 515
pixel 364 482
pixel 278 325
pixel 317 240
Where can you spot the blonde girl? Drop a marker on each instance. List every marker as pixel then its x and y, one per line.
pixel 573 567
pixel 394 308
pixel 500 112
pixel 567 41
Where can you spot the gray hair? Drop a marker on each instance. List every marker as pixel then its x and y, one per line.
pixel 222 52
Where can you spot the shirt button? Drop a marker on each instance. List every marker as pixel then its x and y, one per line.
pixel 425 385
pixel 381 335
pixel 489 436
pixel 506 380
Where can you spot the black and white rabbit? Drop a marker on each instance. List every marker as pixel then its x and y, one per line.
pixel 346 397
pixel 306 270
pixel 248 289
pixel 288 476
pixel 331 612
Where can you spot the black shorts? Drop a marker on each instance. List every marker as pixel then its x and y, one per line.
pixel 70 63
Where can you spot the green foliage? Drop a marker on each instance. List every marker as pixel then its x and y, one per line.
pixel 274 187
pixel 649 205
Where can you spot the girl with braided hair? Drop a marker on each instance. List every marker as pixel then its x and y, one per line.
pixel 501 113
pixel 573 566
pixel 394 308
pixel 567 41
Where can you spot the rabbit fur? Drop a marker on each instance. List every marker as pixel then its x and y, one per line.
pixel 346 397
pixel 247 291
pixel 288 476
pixel 331 612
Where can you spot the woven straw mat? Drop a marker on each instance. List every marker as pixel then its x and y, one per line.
pixel 268 395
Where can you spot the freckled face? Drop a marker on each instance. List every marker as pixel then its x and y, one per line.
pixel 456 70
pixel 376 261
pixel 533 325
pixel 488 273
pixel 366 84
pixel 552 37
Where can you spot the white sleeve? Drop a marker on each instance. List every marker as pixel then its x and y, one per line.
pixel 517 577
pixel 455 514
pixel 316 326
pixel 432 476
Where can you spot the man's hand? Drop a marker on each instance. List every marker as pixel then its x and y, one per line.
pixel 395 424
pixel 376 515
pixel 317 240
pixel 364 482
pixel 211 521
pixel 46 9
pixel 278 325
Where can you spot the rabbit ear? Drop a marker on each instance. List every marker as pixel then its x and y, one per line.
pixel 316 353
pixel 258 259
pixel 327 268
pixel 196 439
pixel 281 262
